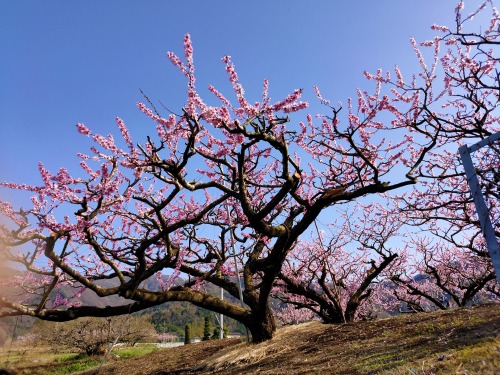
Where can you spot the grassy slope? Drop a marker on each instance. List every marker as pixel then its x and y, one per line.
pixel 465 341
pixel 462 341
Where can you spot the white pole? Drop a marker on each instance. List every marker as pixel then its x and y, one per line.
pixel 238 277
pixel 221 333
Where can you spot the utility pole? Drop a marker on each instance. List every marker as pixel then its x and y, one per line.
pixel 238 277
pixel 221 333
pixel 481 208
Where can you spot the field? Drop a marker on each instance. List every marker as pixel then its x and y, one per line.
pixel 465 341
pixel 46 361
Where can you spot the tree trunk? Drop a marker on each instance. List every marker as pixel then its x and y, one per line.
pixel 350 311
pixel 332 315
pixel 262 326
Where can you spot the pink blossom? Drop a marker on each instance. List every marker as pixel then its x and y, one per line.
pixel 82 129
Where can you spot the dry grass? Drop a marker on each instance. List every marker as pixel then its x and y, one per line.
pixel 272 351
pixel 454 342
pixel 481 358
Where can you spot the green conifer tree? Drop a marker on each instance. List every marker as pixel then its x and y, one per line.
pixel 187 334
pixel 216 333
pixel 207 329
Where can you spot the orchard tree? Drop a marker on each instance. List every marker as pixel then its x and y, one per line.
pixel 92 335
pixel 133 329
pixel 337 276
pixel 450 265
pixel 213 188
pixel 442 276
pixel 166 337
pixel 453 266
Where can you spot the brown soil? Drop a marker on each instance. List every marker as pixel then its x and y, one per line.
pixel 465 341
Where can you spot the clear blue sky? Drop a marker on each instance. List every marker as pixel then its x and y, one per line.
pixel 65 62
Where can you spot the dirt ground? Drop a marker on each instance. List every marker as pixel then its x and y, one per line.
pixel 465 341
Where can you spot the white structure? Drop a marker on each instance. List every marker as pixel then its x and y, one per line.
pixel 477 195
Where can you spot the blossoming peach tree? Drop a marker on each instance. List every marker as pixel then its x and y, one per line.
pixel 452 259
pixel 214 188
pixel 450 264
pixel 341 275
pixel 424 250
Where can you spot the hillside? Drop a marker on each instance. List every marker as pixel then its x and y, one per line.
pixel 465 341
